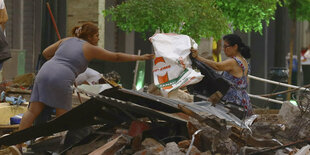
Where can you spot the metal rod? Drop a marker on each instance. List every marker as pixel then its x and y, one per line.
pixel 266 99
pixel 192 142
pixel 21 24
pixel 53 20
pixel 278 83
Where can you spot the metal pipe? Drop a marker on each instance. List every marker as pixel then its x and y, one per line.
pixel 192 142
pixel 53 20
pixel 266 99
pixel 21 24
pixel 278 83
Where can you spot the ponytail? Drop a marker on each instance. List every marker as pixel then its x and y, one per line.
pixel 75 31
pixel 245 51
pixel 233 39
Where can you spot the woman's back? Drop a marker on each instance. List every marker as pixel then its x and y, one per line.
pixel 56 76
pixel 240 82
pixel 70 53
pixel 237 93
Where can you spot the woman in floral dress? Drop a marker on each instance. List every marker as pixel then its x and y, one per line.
pixel 235 70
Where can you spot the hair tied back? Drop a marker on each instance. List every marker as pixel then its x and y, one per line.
pixel 78 31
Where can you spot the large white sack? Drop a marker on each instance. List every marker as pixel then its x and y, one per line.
pixel 172 65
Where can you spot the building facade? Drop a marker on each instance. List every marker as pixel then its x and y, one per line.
pixel 30 29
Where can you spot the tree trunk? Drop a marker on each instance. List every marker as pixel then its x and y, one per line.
pixel 292 40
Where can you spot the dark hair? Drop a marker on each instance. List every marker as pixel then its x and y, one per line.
pixel 84 31
pixel 233 39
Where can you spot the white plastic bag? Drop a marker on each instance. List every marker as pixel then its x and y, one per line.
pixel 172 65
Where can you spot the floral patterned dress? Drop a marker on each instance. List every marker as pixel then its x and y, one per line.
pixel 237 93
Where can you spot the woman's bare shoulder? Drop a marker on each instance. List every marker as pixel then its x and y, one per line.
pixel 67 38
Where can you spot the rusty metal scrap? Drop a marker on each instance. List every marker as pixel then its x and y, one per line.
pixel 237 134
pixel 243 139
pixel 113 146
pixel 264 151
pixel 162 120
pixel 98 110
pixel 210 120
pixel 172 106
pixel 86 114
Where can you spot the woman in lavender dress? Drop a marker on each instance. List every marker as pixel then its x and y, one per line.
pixel 67 58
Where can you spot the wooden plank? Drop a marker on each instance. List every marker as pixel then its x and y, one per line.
pixel 94 111
pixel 266 111
pixel 88 113
pixel 113 146
pixel 15 126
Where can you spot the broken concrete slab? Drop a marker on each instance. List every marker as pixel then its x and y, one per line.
pixel 151 147
pixel 150 142
pixel 296 121
pixel 304 150
pixel 173 149
pixel 211 139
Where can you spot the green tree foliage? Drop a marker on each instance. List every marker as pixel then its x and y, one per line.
pixel 196 18
pixel 299 9
pixel 248 15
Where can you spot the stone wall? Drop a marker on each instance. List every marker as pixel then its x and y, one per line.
pixel 81 11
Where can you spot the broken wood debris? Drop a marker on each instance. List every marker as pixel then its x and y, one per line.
pixel 121 121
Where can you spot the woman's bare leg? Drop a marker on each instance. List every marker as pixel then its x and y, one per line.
pixel 60 112
pixel 29 116
pixel 32 113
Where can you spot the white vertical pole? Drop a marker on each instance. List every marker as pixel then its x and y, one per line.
pixel 135 73
pixel 21 24
pixel 249 44
pixel 101 22
pixel 266 56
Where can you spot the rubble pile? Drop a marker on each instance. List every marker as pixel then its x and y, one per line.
pixel 13 97
pixel 122 121
pixel 19 86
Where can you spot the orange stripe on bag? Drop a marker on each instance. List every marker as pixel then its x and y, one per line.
pixel 164 79
pixel 159 59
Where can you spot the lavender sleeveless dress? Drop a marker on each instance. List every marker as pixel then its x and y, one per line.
pixel 237 93
pixel 54 80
